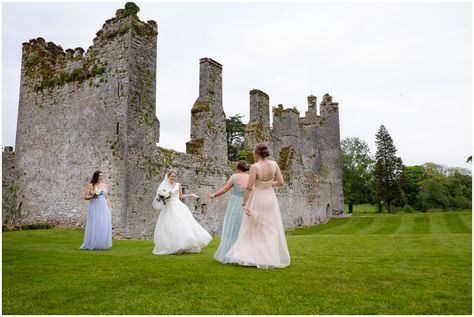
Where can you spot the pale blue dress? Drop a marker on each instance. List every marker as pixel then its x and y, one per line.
pixel 232 220
pixel 98 233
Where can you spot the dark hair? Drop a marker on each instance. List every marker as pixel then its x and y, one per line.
pixel 95 177
pixel 242 165
pixel 171 171
pixel 262 150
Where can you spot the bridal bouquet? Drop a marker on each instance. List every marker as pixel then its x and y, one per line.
pixel 95 192
pixel 163 196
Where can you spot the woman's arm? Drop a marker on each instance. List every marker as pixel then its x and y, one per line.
pixel 181 195
pixel 221 191
pixel 278 178
pixel 87 193
pixel 250 183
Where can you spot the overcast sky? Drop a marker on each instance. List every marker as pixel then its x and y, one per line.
pixel 404 65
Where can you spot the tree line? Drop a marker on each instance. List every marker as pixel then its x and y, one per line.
pixel 385 181
pixel 382 179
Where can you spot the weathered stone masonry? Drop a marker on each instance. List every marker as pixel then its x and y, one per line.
pixel 80 111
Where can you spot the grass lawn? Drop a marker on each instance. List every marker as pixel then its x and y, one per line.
pixel 416 263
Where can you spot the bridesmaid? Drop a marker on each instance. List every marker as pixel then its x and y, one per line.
pixel 233 215
pixel 98 233
pixel 261 241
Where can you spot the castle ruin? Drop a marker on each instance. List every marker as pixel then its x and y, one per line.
pixel 81 111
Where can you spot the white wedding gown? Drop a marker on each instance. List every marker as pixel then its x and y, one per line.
pixel 176 230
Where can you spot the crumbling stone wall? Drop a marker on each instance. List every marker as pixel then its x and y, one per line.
pixel 80 111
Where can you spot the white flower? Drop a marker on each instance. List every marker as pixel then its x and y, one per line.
pixel 96 192
pixel 164 193
pixel 163 196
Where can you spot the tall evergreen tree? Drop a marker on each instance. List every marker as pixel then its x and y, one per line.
pixel 388 170
pixel 235 134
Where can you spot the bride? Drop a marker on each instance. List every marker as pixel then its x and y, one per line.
pixel 176 230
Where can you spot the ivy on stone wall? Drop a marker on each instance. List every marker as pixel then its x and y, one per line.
pixel 11 206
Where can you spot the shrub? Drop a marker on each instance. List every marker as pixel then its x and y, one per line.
pixel 32 226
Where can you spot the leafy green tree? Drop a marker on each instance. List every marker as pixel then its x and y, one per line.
pixel 434 193
pixel 412 178
pixel 460 190
pixel 469 159
pixel 445 188
pixel 388 170
pixel 356 171
pixel 235 134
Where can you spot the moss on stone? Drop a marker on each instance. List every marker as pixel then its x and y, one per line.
pixel 147 119
pixel 12 212
pixel 138 27
pixel 325 171
pixel 210 126
pixel 294 110
pixel 168 156
pixel 311 179
pixel 258 132
pixel 286 156
pixel 200 106
pixel 96 70
pixel 151 80
pixel 116 150
pixel 77 74
pixel 195 146
pixel 45 67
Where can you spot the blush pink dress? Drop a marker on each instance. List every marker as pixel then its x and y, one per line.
pixel 261 241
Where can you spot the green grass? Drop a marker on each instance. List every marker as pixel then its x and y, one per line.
pixel 416 263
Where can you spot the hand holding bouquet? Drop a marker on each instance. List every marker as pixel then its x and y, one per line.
pixel 163 196
pixel 95 192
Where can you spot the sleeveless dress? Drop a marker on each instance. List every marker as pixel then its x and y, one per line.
pixel 176 230
pixel 261 241
pixel 98 233
pixel 232 220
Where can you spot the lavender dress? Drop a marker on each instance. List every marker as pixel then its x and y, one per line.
pixel 98 234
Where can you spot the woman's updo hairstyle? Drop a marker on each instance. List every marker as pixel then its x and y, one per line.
pixel 171 171
pixel 243 166
pixel 262 150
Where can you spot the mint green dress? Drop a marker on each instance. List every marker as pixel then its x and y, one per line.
pixel 232 220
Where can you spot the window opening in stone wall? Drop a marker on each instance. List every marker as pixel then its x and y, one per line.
pixel 118 89
pixel 118 127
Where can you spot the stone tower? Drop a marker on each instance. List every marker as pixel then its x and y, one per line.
pixel 258 128
pixel 207 115
pixel 84 112
pixel 331 158
pixel 81 111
